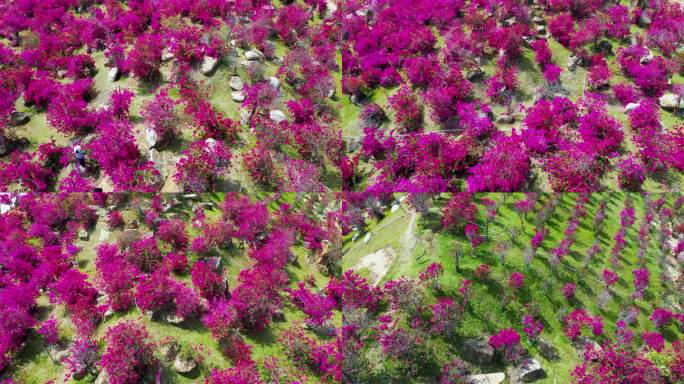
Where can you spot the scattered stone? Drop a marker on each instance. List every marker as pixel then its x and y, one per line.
pixel 394 208
pixel 209 65
pixel 475 75
pixel 83 234
pixel 183 365
pixel 244 116
pixel 58 353
pixel 671 101
pixel 252 55
pixel 237 96
pixel 171 318
pixel 353 145
pixel 505 119
pixel 102 299
pixel 331 92
pixel 605 47
pixel 275 83
pixel 61 73
pixel 366 238
pixel 236 83
pixel 541 30
pixel 167 55
pixel 631 106
pixel 102 378
pixel 510 21
pixel 133 224
pixel 169 351
pixel 538 20
pixel 527 371
pixel 113 75
pixel 108 314
pixel 279 316
pixel 17 119
pixel 328 328
pixel 215 262
pixel 277 116
pixel 644 20
pixel 646 59
pixel 573 62
pixel 487 378
pixel 478 351
pixel 151 137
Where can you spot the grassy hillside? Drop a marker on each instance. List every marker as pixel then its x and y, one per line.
pixel 492 307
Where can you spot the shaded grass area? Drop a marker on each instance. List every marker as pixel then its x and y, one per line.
pixel 492 308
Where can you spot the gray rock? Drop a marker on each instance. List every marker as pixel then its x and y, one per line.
pixel 541 30
pixel 605 47
pixel 151 137
pixel 237 96
pixel 244 116
pixel 573 62
pixel 209 65
pixel 277 116
pixel 631 106
pixel 169 351
pixel 133 224
pixel 253 55
pixel 17 119
pixel 108 314
pixel 527 371
pixel 279 316
pixel 167 55
pixel 538 20
pixel 646 59
pixel 366 238
pixel 61 74
pixel 353 145
pixel 510 21
pixel 547 350
pixel 478 351
pixel 113 75
pixel 487 378
pixel 183 365
pixel 215 262
pixel 83 234
pixel 475 75
pixel 505 119
pixel 671 101
pixel 275 83
pixel 644 20
pixel 171 318
pixel 236 83
pixel 102 378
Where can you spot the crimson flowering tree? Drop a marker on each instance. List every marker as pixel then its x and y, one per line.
pixel 202 166
pixel 209 282
pixel 632 174
pixel 508 342
pixel 459 211
pixel 408 114
pixel 503 168
pixel 221 319
pixel 532 327
pixel 145 57
pixel 456 371
pixel 257 296
pixel 516 280
pixel 317 308
pixel 80 298
pixel 158 292
pixel 641 279
pixel 173 232
pixel 144 253
pixel 82 358
pixel 447 315
pixel 614 364
pixel 115 276
pixel 661 317
pixel 160 115
pixel 353 291
pixel 120 102
pixel 568 290
pixel 129 352
pixel 243 373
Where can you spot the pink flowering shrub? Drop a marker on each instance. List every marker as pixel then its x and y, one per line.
pixel 507 341
pixel 129 352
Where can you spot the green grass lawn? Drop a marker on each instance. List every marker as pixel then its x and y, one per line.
pixel 490 309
